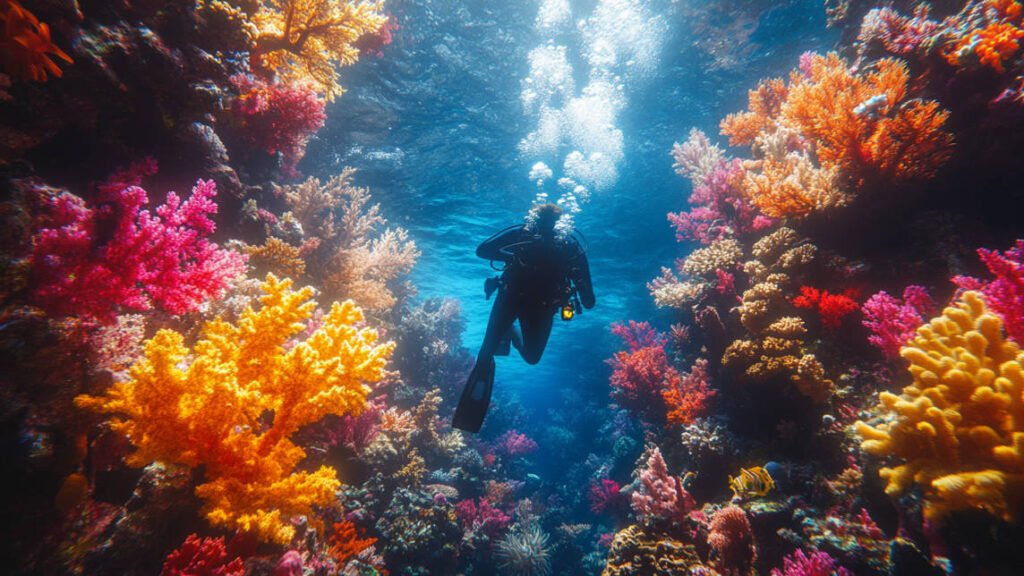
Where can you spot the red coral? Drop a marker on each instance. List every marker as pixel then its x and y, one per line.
pixel 483 518
pixel 832 308
pixel 637 335
pixel 92 261
pixel 202 557
pixel 661 496
pixel 606 495
pixel 345 542
pixel 687 396
pixel 730 536
pixel 279 117
pixel 372 44
pixel 893 322
pixel 1004 295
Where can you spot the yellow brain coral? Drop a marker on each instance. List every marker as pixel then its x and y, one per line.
pixel 959 428
pixel 232 402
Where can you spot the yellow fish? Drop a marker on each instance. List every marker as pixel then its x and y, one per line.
pixel 751 482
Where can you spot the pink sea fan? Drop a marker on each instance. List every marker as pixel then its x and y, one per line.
pixel 661 496
pixel 892 322
pixel 815 564
pixel 1004 294
pixel 93 261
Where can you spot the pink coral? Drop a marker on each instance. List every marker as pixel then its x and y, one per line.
pixel 661 496
pixel 92 261
pixel 893 322
pixel 605 495
pixel 202 557
pixel 515 443
pixel 899 34
pixel 730 536
pixel 815 564
pixel 290 564
pixel 636 335
pixel 1004 295
pixel 719 207
pixel 483 517
pixel 279 117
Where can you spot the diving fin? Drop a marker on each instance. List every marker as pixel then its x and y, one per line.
pixel 476 397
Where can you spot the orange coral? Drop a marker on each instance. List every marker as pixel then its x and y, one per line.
pixel 346 544
pixel 765 105
pixel 231 404
pixel 687 396
pixel 992 45
pixel 25 45
pixel 862 123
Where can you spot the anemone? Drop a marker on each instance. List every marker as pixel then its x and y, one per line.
pixel 524 552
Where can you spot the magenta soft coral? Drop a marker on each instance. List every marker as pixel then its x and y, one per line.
pixel 606 495
pixel 483 517
pixel 813 564
pixel 892 321
pixel 718 208
pixel 202 557
pixel 515 443
pixel 1004 294
pixel 91 262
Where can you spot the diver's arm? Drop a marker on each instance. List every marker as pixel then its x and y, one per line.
pixel 491 249
pixel 581 276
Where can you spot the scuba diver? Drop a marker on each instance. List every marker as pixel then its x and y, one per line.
pixel 543 274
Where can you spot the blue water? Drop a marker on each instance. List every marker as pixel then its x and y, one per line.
pixel 434 124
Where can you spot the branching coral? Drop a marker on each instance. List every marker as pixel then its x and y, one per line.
pixel 306 40
pixel 277 257
pixel 696 158
pixel 357 258
pixel 832 308
pixel 893 322
pixel 278 117
pixel 687 396
pixel 1005 293
pixel 813 564
pixel 958 430
pixel 26 50
pixel 765 103
pixel 864 124
pixel 722 254
pixel 202 557
pixel 231 403
pixel 346 543
pixel 91 262
pixel 661 496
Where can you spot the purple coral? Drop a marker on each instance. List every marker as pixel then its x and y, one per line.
pixel 892 322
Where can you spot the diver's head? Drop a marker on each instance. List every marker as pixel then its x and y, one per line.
pixel 547 216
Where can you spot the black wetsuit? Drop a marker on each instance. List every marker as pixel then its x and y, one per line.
pixel 541 275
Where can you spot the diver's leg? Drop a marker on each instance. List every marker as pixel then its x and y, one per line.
pixel 536 325
pixel 476 396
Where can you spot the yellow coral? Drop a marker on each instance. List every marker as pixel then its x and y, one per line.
pixel 959 428
pixel 306 40
pixel 278 257
pixel 232 402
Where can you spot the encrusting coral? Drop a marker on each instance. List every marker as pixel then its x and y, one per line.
pixel 231 403
pixel 958 430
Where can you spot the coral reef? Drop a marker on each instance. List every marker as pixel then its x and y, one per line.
pixel 956 430
pixel 236 373
pixel 634 551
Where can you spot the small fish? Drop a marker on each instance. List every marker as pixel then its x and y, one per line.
pixel 751 482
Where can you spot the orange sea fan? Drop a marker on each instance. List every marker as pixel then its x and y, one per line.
pixel 25 45
pixel 862 124
pixel 765 105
